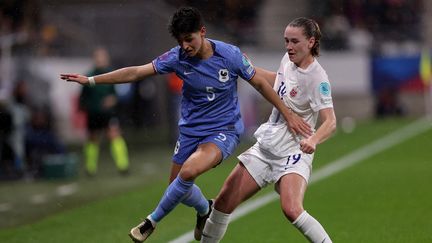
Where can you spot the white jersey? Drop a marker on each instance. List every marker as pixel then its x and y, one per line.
pixel 305 91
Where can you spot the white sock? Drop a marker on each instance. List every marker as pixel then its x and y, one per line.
pixel 215 227
pixel 311 228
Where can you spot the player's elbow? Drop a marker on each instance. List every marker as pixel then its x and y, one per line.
pixel 133 74
pixel 258 84
pixel 332 125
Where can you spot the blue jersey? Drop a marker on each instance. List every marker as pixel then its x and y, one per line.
pixel 210 101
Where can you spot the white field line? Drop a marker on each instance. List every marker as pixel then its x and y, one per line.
pixel 67 190
pixel 332 168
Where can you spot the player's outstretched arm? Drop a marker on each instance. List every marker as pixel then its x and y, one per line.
pixel 296 124
pixel 122 75
pixel 269 76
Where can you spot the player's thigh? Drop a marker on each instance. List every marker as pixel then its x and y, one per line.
pixel 226 141
pixel 238 187
pixel 292 188
pixel 206 156
pixel 211 150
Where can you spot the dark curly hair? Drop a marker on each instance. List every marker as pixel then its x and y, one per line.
pixel 185 20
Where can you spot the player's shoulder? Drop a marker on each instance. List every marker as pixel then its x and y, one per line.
pixel 225 49
pixel 174 54
pixel 317 72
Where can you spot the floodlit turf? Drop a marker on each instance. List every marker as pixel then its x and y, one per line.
pixel 386 198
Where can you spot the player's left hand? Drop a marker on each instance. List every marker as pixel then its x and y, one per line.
pixel 307 145
pixel 78 78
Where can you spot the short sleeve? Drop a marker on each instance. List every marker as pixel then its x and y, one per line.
pixel 167 62
pixel 243 66
pixel 321 97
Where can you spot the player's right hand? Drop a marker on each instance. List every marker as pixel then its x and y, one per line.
pixel 78 78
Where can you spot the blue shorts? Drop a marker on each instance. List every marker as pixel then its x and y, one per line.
pixel 187 145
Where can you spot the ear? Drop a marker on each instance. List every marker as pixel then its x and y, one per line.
pixel 311 42
pixel 203 31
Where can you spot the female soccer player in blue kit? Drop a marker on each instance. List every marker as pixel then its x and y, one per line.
pixel 210 123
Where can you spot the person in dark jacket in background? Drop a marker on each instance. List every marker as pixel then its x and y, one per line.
pixel 99 102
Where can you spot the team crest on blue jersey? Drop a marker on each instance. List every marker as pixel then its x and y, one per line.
pixel 223 75
pixel 324 88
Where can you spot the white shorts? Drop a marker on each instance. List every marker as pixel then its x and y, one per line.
pixel 267 168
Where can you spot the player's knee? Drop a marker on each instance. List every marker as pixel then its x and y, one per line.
pixel 292 211
pixel 226 203
pixel 221 204
pixel 188 173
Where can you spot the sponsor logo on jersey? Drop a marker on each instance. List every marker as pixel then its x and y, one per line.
pixel 223 75
pixel 247 62
pixel 324 88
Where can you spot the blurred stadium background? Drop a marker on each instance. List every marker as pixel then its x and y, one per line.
pixel 373 51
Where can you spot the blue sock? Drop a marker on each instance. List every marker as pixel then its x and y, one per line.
pixel 172 196
pixel 195 198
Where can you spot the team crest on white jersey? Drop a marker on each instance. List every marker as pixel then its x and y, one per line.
pixel 293 92
pixel 223 75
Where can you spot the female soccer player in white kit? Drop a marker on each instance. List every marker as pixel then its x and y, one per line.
pixel 278 156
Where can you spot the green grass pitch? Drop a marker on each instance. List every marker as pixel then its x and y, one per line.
pixel 385 198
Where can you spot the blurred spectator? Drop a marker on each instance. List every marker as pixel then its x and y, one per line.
pixel 238 17
pixel 337 30
pixel 99 102
pixel 144 103
pixel 40 141
pixel 8 168
pixel 388 103
pixel 359 38
pixel 21 17
pixel 21 117
pixel 354 24
pixel 48 41
pixel 241 19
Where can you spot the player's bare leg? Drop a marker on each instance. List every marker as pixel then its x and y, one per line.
pixel 214 154
pixel 291 188
pixel 238 187
pixel 203 159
